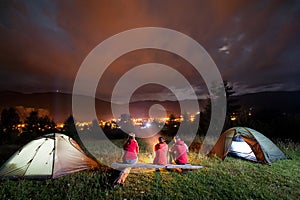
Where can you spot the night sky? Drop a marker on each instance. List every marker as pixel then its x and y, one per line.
pixel 255 44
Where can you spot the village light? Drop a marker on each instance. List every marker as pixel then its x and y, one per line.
pixel 233 117
pixel 61 125
pixel 148 125
pixel 250 111
pixel 192 118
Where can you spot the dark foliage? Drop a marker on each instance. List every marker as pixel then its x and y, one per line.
pixel 9 125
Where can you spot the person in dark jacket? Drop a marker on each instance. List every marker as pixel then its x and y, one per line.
pixel 161 152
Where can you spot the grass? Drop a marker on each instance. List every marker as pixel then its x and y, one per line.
pixel 230 179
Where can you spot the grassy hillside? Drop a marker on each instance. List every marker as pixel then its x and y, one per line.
pixel 230 179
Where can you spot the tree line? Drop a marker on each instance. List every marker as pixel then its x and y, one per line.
pixel 15 131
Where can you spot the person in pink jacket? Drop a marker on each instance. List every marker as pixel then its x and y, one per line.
pixel 161 152
pixel 179 152
pixel 131 149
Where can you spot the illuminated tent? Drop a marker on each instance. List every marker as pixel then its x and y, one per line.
pixel 248 144
pixel 49 156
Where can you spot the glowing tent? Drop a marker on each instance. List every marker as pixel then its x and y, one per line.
pixel 49 156
pixel 248 144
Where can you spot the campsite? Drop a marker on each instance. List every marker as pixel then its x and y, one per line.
pixel 229 179
pixel 149 100
pixel 246 162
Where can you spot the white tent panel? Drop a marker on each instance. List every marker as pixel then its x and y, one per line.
pixel 44 158
pixel 68 157
pixel 20 161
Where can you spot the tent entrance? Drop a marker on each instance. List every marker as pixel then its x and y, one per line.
pixel 240 148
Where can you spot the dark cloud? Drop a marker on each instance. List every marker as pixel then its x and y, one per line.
pixel 255 44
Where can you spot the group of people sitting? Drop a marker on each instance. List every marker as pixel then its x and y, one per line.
pixel 177 153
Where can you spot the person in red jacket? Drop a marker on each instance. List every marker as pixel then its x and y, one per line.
pixel 161 152
pixel 179 152
pixel 131 149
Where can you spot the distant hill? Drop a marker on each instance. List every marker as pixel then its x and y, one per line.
pixel 288 102
pixel 59 105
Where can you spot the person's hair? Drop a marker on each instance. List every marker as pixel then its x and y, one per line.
pixel 161 139
pixel 177 137
pixel 130 137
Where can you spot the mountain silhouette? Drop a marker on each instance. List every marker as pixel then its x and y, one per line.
pixel 59 105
